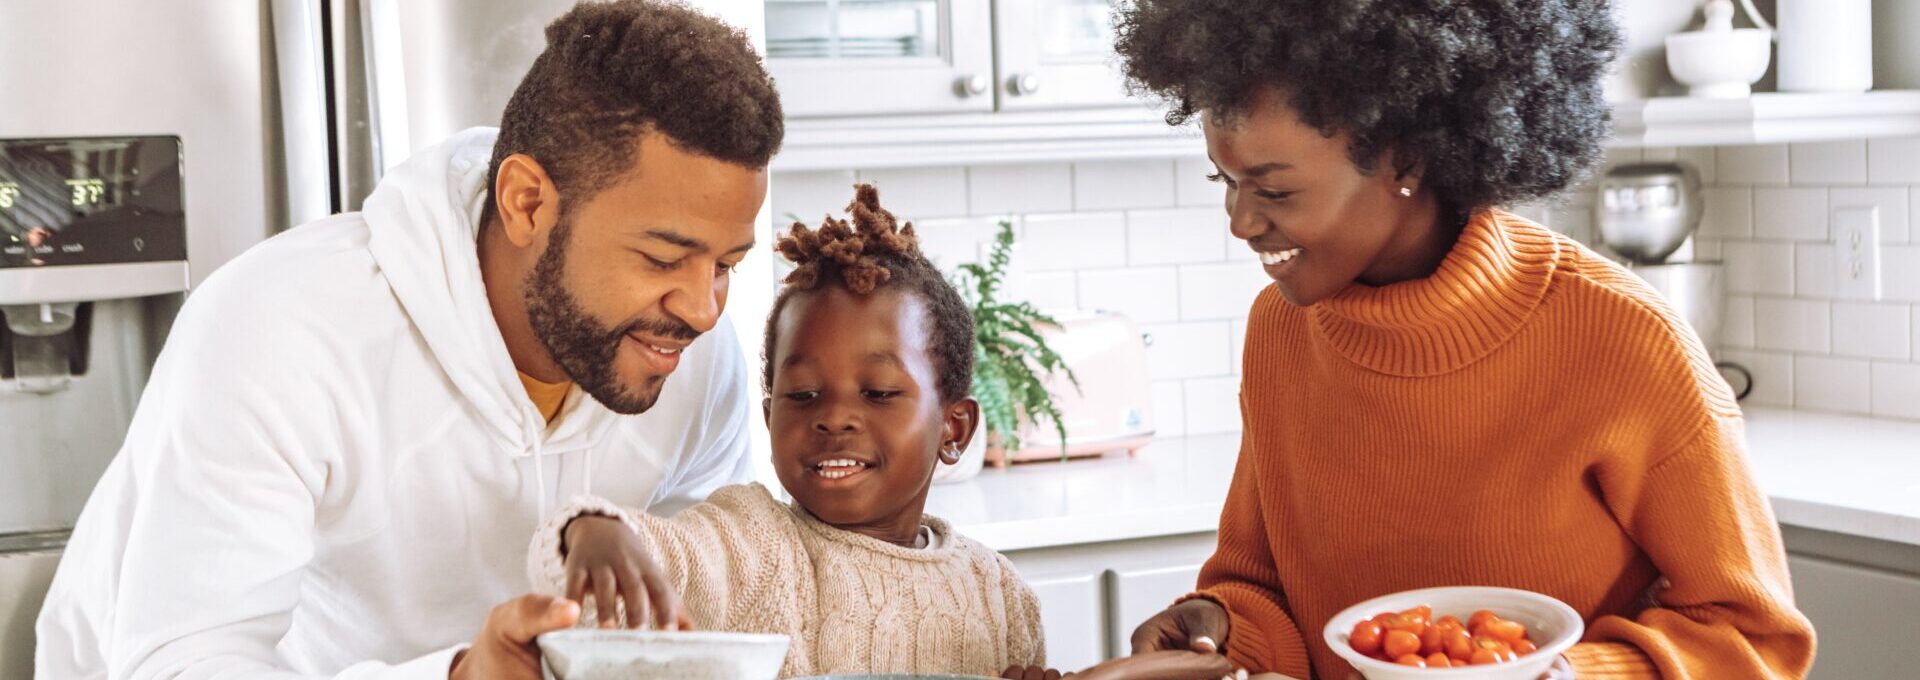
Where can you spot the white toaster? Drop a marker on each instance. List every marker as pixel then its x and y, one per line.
pixel 1111 410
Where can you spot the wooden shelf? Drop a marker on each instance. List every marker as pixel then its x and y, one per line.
pixel 1766 118
pixel 1142 132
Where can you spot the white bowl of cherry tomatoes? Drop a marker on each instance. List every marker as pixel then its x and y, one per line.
pixel 1463 632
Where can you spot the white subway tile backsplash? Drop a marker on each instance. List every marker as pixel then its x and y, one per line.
pixel 1736 326
pixel 807 196
pixel 1110 185
pixel 1871 331
pixel 1896 390
pixel 1813 270
pixel 953 242
pixel 1829 162
pixel 1727 212
pixel 1221 291
pixel 1072 241
pixel 1772 376
pixel 1188 350
pixel 1169 408
pixel 1574 221
pixel 1792 325
pixel 1021 188
pixel 1759 268
pixel 1752 164
pixel 1900 272
pixel 1191 186
pixel 1894 161
pixel 1892 202
pixel 920 193
pixel 1829 384
pixel 1144 294
pixel 1213 405
pixel 1187 235
pixel 1790 214
pixel 1701 158
pixel 1049 291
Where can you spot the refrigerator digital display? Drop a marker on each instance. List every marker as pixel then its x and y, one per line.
pixel 95 200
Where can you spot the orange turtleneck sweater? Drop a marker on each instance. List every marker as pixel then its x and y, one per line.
pixel 1530 416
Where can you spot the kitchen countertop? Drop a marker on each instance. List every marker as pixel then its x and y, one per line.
pixel 1844 474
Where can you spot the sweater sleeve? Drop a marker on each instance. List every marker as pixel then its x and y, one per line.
pixel 1726 606
pixel 1026 637
pixel 1241 578
pixel 717 554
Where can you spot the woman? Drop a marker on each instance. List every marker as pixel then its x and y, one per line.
pixel 1438 392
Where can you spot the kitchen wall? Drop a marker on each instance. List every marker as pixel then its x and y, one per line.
pixel 1147 238
pixel 1769 214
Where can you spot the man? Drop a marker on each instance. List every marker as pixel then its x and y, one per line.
pixel 355 426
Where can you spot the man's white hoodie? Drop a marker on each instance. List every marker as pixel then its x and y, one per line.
pixel 335 469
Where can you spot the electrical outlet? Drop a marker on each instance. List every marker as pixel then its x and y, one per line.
pixel 1856 253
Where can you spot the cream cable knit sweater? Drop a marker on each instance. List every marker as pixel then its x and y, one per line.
pixel 745 562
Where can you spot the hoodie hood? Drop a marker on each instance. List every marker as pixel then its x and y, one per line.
pixel 424 221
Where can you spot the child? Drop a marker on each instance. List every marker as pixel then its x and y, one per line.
pixel 869 359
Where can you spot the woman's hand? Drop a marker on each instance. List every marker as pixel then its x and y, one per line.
pixel 604 558
pixel 1196 625
pixel 1178 664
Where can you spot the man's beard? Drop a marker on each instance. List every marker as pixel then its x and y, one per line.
pixel 584 348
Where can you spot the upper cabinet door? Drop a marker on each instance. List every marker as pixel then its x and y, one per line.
pixel 1057 54
pixel 870 57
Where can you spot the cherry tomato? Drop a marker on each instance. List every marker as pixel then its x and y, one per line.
pixel 1413 660
pixel 1480 617
pixel 1425 611
pixel 1511 631
pixel 1411 623
pixel 1483 657
pixel 1399 643
pixel 1365 638
pixel 1458 644
pixel 1451 619
pixel 1439 661
pixel 1524 647
pixel 1499 649
pixel 1433 640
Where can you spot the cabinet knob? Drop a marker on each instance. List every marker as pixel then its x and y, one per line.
pixel 1023 84
pixel 972 85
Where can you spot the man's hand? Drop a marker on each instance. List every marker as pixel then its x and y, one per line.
pixel 505 649
pixel 1196 625
pixel 604 559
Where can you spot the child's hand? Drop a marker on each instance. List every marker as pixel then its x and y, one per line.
pixel 604 558
pixel 1029 673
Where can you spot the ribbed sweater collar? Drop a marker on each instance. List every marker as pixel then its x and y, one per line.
pixel 1483 292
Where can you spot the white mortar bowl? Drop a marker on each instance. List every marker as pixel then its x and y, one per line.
pixel 1719 64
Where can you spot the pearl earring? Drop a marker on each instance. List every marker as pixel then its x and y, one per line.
pixel 1406 192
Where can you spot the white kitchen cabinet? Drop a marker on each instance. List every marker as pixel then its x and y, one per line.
pixel 1072 613
pixel 1093 595
pixel 881 57
pixel 1861 595
pixel 1140 593
pixel 1056 54
pixel 836 58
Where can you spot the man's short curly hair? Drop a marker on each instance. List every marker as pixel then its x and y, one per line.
pixel 612 70
pixel 1499 100
pixel 874 252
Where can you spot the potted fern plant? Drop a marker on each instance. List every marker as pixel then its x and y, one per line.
pixel 1011 359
